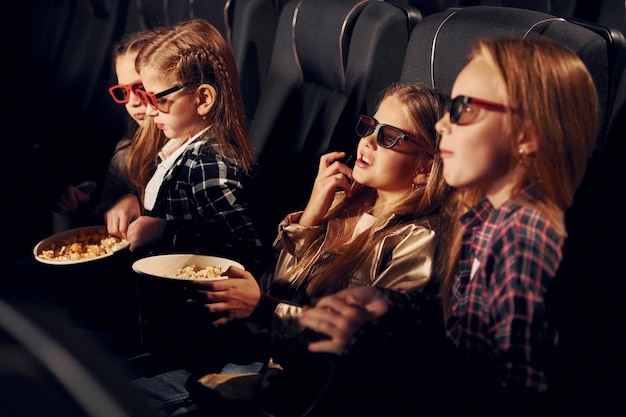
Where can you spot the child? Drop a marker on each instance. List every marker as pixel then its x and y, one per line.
pixel 196 199
pixel 118 201
pixel 519 131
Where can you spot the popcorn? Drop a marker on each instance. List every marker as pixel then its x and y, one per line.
pixel 85 244
pixel 195 272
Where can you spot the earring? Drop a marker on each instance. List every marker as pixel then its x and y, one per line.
pixel 522 155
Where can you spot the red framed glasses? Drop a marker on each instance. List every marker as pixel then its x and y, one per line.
pixel 387 136
pixel 121 92
pixel 154 100
pixel 462 112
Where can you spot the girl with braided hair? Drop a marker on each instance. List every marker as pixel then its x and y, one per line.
pixel 195 200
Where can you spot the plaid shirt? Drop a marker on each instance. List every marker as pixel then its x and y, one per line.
pixel 203 199
pixel 496 346
pixel 499 317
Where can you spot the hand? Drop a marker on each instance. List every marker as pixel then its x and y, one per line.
pixel 69 200
pixel 235 297
pixel 144 231
pixel 341 315
pixel 121 214
pixel 332 174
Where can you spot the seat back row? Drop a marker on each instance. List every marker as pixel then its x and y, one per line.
pixel 307 67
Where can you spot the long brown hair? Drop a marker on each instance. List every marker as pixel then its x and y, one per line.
pixel 424 106
pixel 142 156
pixel 556 99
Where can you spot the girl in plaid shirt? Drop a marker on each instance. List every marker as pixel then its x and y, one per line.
pixel 196 198
pixel 520 127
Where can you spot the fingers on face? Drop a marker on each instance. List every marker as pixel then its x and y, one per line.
pixel 329 158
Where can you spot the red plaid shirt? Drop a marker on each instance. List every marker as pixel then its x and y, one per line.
pixel 499 316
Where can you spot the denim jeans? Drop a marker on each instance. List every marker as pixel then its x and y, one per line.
pixel 164 381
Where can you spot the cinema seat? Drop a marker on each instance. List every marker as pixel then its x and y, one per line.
pixel 251 32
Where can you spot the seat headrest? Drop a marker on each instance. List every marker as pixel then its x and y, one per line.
pixel 317 62
pixel 440 44
pixel 455 30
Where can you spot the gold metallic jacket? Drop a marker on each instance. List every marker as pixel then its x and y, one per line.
pixel 401 260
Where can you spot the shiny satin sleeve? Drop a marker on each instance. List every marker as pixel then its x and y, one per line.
pixel 403 260
pixel 291 243
pixel 292 236
pixel 295 238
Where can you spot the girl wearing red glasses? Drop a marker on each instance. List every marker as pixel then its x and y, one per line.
pixel 515 141
pixel 196 199
pixel 126 207
pixel 119 202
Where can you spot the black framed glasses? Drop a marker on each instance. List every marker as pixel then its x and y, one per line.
pixel 387 136
pixel 153 99
pixel 121 92
pixel 462 111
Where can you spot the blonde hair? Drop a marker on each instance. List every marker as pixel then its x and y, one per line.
pixel 193 53
pixel 146 144
pixel 555 99
pixel 424 106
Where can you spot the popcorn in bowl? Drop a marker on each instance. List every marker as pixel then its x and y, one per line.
pixel 196 272
pixel 78 245
pixel 183 267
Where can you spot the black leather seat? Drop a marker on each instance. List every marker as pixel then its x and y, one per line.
pixel 251 34
pixel 428 7
pixel 150 14
pixel 605 12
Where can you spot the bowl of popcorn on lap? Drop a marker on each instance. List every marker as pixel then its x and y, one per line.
pixel 79 245
pixel 167 322
pixel 184 267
